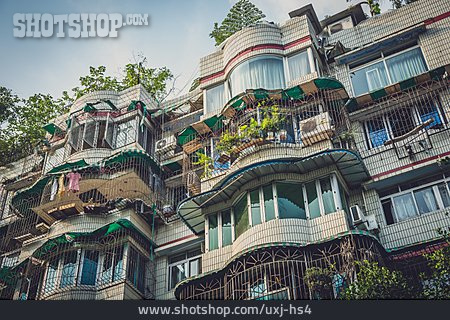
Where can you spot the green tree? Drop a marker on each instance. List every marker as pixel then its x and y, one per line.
pixel 154 80
pixel 437 284
pixel 8 102
pixel 23 132
pixel 378 282
pixel 96 80
pixel 241 15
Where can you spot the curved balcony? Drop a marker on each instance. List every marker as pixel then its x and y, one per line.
pixel 295 123
pixel 280 271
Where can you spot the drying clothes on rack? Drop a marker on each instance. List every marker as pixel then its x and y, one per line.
pixel 74 181
pixel 54 189
pixel 61 189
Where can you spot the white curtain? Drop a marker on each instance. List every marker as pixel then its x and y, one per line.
pixel 260 72
pixel 425 200
pixel 298 65
pixel 215 99
pixel 404 207
pixel 406 65
pixel 370 78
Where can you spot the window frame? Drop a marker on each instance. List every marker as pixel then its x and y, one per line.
pixel 383 59
pixel 437 195
pixel 186 261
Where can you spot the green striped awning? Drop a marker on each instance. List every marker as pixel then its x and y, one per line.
pixel 52 128
pixel 357 103
pixel 70 237
pixel 207 125
pixel 241 100
pixel 68 166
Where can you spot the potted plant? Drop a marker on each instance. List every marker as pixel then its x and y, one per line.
pixel 226 145
pixel 271 122
pixel 206 162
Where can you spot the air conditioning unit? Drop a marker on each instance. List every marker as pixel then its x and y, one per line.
pixel 356 214
pixel 166 144
pixel 316 129
pixel 361 221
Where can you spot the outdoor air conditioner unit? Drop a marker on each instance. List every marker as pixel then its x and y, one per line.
pixel 361 221
pixel 316 129
pixel 166 144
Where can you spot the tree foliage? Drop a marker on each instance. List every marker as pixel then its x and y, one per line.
pixel 378 282
pixel 241 15
pixel 21 120
pixel 437 284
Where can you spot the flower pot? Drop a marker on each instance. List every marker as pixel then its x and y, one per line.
pixel 283 135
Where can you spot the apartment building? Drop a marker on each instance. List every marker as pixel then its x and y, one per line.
pixel 310 144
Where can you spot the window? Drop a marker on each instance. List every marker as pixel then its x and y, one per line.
pixel 377 132
pixel 183 266
pixel 5 202
pixel 241 216
pixel 313 200
pixel 298 65
pixel 136 269
pixel 290 201
pixel 406 65
pixel 389 70
pixel 402 120
pixel 264 72
pixel 51 276
pixel 112 265
pixel 226 228
pixel 69 269
pixel 89 268
pixel 327 196
pixel 215 99
pixel 269 204
pixel 255 207
pixel 90 128
pixel 283 200
pixel 126 133
pixel 403 203
pixel 213 232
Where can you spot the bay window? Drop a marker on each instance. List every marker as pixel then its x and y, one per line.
pixel 280 200
pixel 387 69
pixel 405 202
pixel 265 72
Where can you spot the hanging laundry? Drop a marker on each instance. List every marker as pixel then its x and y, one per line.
pixel 54 189
pixel 62 188
pixel 74 181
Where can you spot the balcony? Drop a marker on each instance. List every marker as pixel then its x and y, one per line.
pixel 100 187
pixel 265 125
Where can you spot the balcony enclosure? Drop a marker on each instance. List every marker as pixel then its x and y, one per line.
pixel 306 115
pixel 80 265
pixel 128 179
pixel 280 272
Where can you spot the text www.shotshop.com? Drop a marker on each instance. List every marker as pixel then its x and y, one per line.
pixel 224 311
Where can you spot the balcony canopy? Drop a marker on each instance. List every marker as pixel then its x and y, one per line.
pixel 248 97
pixel 348 163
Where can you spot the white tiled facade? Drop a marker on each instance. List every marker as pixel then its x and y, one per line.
pixel 175 237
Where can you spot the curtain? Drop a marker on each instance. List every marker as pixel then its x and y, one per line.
pixel 425 200
pixel 370 78
pixel 406 65
pixel 260 72
pixel 299 65
pixel 215 99
pixel 404 207
pixel 327 196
